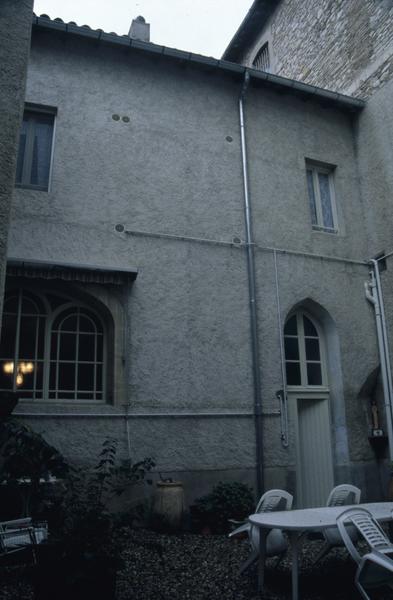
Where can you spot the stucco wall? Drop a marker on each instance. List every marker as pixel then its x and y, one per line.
pixel 373 142
pixel 172 170
pixel 341 45
pixel 15 28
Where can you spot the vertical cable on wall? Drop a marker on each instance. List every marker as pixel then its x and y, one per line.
pixel 282 394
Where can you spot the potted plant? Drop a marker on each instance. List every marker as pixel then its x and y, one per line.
pixel 212 512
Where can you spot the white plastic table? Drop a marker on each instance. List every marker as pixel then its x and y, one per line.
pixel 298 522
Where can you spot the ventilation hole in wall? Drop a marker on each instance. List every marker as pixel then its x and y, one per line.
pixel 116 117
pixel 229 138
pixel 125 119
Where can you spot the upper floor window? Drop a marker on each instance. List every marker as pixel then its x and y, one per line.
pixel 303 352
pixel 262 59
pixel 35 149
pixel 52 348
pixel 321 197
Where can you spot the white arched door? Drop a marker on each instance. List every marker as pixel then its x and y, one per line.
pixel 308 403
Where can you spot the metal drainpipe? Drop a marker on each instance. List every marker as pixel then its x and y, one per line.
pixel 252 295
pixel 384 329
pixel 373 294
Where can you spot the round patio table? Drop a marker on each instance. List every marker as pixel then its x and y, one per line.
pixel 300 521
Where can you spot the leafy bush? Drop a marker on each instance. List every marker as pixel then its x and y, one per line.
pixel 86 557
pixel 85 520
pixel 25 454
pixel 226 501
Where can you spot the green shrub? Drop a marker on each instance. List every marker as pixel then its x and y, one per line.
pixel 84 518
pixel 26 455
pixel 226 501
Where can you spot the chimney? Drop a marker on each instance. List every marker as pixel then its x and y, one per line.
pixel 140 30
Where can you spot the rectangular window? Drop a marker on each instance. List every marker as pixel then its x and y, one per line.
pixel 321 197
pixel 35 149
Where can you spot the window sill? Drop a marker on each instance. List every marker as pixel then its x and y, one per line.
pixel 59 402
pixel 49 409
pixel 28 186
pixel 318 229
pixel 308 390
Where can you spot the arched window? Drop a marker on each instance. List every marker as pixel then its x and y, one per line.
pixel 51 348
pixel 303 352
pixel 262 58
pixel 76 356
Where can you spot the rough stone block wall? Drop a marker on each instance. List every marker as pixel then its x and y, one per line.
pixel 342 45
pixel 15 29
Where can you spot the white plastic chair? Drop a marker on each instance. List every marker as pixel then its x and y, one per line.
pixel 375 568
pixel 276 543
pixel 16 536
pixel 341 495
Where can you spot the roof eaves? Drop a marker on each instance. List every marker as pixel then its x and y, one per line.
pixel 308 90
pixel 197 59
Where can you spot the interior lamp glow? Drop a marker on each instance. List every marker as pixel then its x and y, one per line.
pixel 22 369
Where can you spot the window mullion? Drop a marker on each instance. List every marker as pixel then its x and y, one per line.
pixel 29 152
pixel 318 204
pixel 47 364
pixel 37 333
pixel 58 342
pixel 16 352
pixel 333 202
pixel 77 355
pixel 302 349
pixel 95 365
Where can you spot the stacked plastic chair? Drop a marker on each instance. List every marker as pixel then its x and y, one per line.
pixel 18 535
pixel 342 495
pixel 375 568
pixel 276 543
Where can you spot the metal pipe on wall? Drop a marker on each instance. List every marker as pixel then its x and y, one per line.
pixel 374 263
pixel 373 296
pixel 252 294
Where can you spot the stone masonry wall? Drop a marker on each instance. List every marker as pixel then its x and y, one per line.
pixel 15 29
pixel 342 45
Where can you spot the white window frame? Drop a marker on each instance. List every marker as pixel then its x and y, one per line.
pixel 50 363
pixel 328 170
pixel 25 183
pixel 304 387
pixel 47 363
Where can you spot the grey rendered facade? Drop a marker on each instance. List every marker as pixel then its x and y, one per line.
pixel 15 30
pixel 162 193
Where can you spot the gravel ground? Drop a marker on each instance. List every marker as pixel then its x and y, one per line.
pixel 197 567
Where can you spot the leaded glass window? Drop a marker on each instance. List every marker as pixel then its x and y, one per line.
pixel 76 356
pixel 303 356
pixel 22 344
pixel 35 150
pixel 51 348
